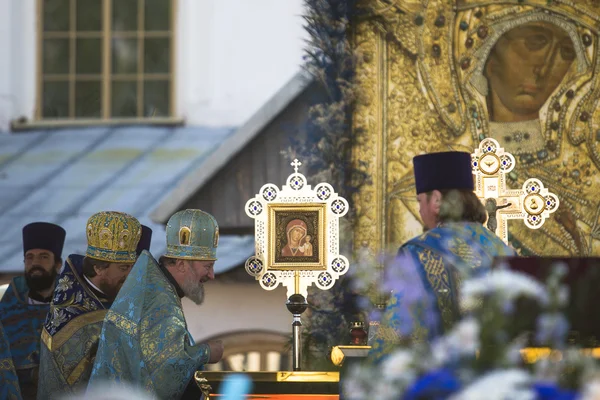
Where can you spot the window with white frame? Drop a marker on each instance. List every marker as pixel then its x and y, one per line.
pixel 105 59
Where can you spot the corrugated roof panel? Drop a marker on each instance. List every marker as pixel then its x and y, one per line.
pixel 11 148
pixel 66 176
pixel 130 200
pixel 43 159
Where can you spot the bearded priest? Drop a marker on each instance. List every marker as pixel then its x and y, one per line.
pixel 145 341
pixel 26 302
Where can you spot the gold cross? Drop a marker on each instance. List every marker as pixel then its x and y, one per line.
pixel 533 203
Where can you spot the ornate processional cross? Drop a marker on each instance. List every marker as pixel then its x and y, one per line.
pixel 297 242
pixel 533 203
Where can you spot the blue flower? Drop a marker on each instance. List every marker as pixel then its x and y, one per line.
pixel 435 385
pixel 549 391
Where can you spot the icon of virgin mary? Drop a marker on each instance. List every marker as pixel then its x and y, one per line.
pixel 296 233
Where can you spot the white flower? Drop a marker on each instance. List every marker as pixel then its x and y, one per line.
pixel 462 340
pixel 563 296
pixel 356 386
pixel 386 390
pixel 591 390
pixel 507 284
pixel 398 366
pixel 465 336
pixel 440 353
pixel 510 384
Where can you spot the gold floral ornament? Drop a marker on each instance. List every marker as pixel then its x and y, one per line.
pixel 113 236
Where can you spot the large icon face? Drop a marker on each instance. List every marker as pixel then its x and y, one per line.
pixel 525 66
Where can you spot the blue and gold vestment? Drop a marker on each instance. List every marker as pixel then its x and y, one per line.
pixel 9 382
pixel 145 341
pixel 22 326
pixel 70 334
pixel 425 300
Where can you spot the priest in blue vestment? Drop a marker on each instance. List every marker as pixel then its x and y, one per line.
pixel 27 299
pixel 84 292
pixel 145 341
pixel 9 382
pixel 426 274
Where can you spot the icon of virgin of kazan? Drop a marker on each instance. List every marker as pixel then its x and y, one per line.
pixel 526 75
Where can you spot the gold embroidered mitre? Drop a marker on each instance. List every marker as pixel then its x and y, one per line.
pixel 113 236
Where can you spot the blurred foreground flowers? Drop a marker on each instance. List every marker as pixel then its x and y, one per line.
pixel 481 356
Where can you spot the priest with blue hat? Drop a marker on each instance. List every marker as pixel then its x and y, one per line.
pixel 145 341
pixel 426 274
pixel 26 301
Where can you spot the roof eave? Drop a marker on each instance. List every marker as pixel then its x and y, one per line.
pixel 231 146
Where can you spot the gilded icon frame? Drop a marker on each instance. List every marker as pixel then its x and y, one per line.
pixel 313 215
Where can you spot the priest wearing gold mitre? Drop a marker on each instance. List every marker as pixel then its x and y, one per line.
pixel 145 341
pixel 85 291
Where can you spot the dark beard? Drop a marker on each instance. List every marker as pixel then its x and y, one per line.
pixel 41 282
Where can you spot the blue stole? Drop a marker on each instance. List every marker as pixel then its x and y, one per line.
pixel 431 266
pixel 145 341
pixel 70 334
pixel 9 382
pixel 22 326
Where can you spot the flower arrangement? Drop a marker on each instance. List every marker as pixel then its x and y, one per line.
pixel 481 357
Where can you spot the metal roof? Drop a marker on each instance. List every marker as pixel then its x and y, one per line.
pixel 65 176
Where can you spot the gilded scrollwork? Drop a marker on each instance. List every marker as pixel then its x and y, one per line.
pixel 367 124
pixel 431 80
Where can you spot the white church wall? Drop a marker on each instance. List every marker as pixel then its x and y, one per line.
pixel 235 307
pixel 231 57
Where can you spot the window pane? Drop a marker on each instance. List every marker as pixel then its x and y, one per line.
pixel 88 99
pixel 124 99
pixel 124 15
pixel 157 15
pixel 55 99
pixel 124 56
pixel 56 56
pixel 157 55
pixel 88 58
pixel 157 98
pixel 89 15
pixel 56 15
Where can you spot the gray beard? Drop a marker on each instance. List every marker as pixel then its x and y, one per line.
pixel 193 291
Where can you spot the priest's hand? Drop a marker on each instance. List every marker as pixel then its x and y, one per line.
pixel 216 351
